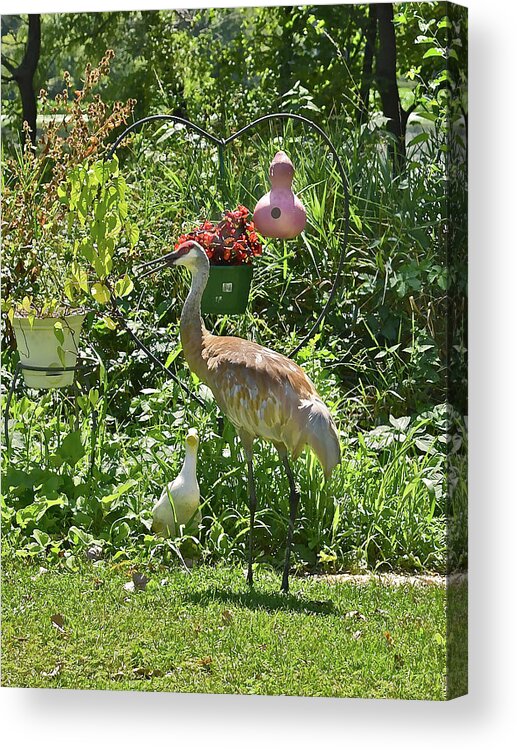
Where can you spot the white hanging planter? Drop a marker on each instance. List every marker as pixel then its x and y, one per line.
pixel 38 347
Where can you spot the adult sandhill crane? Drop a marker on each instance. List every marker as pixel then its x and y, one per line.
pixel 264 394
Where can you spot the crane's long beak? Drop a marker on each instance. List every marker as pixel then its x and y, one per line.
pixel 158 264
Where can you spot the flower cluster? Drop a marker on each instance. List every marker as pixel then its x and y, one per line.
pixel 232 242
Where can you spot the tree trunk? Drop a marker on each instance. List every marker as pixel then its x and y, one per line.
pixel 370 34
pixel 386 75
pixel 24 75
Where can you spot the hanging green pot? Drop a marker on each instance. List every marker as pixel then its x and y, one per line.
pixel 227 290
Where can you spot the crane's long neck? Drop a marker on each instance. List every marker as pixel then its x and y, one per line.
pixel 192 328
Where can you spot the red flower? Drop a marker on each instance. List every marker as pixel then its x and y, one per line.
pixel 231 242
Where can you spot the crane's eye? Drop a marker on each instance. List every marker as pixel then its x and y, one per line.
pixel 276 212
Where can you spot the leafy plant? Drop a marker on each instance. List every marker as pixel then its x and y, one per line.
pixel 36 248
pixel 95 196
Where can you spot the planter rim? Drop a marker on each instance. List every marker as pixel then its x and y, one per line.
pixel 47 322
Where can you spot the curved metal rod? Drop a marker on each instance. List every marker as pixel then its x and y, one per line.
pixel 222 142
pixel 166 118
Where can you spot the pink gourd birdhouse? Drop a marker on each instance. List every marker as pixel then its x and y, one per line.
pixel 279 213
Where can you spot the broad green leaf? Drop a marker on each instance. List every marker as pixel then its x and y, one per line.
pixel 419 139
pixel 58 332
pixel 123 286
pixel 41 537
pixel 109 323
pixel 61 355
pixel 434 52
pixel 172 356
pixel 62 193
pixel 70 287
pixel 86 249
pixel 94 396
pixel 113 165
pixel 71 449
pixel 133 234
pixel 100 293
pixel 118 492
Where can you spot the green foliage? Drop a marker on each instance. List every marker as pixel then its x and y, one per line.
pixel 384 506
pixel 380 360
pixel 100 229
pixel 221 66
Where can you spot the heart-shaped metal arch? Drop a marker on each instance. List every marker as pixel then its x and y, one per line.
pixel 221 143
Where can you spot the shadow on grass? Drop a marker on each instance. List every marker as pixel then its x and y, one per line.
pixel 268 601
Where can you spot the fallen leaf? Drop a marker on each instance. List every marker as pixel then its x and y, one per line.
pixel 57 670
pixel 40 572
pixel 389 637
pixel 94 552
pixel 205 663
pixel 58 621
pixel 227 616
pixel 355 614
pixel 357 634
pixel 147 672
pixel 140 581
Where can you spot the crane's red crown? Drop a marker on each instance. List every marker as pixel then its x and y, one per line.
pixel 185 247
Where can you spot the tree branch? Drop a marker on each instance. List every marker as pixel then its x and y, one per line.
pixel 11 68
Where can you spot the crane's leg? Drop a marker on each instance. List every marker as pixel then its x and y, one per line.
pixel 294 499
pixel 252 499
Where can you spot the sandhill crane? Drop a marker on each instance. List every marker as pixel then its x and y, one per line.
pixel 179 501
pixel 264 394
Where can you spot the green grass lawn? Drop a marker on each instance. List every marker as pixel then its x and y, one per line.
pixel 206 632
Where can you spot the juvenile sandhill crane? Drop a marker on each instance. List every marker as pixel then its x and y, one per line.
pixel 263 393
